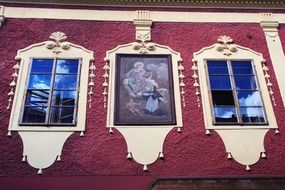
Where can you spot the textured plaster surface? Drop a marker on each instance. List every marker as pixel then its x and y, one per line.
pixel 98 153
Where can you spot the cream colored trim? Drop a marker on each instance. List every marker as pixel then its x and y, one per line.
pixel 160 16
pixel 1 15
pixel 158 49
pixel 242 53
pixel 243 143
pixel 41 50
pixel 270 28
pixel 42 149
pixel 144 142
pixel 245 146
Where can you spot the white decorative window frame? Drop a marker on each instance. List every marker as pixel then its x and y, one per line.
pixel 243 143
pixel 43 144
pixel 145 143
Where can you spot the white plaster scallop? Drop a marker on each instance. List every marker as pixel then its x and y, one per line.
pixel 42 148
pixel 245 146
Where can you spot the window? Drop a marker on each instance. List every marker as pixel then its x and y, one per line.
pixel 52 91
pixel 235 93
pixel 231 81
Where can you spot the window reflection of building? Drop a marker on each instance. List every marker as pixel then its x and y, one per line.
pixel 52 92
pixel 235 93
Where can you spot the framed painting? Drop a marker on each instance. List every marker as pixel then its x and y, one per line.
pixel 144 90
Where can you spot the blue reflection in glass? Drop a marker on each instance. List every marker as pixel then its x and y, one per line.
pixel 242 67
pixel 42 65
pixel 37 97
pixel 217 67
pixel 39 81
pixel 225 114
pixel 252 115
pixel 220 83
pixel 65 82
pixel 64 98
pixel 249 98
pixel 62 115
pixel 245 83
pixel 68 66
pixel 34 115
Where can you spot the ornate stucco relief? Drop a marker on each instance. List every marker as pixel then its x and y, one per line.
pixel 145 142
pixel 270 28
pixel 43 144
pixel 245 143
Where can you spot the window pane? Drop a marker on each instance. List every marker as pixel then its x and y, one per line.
pixel 220 82
pixel 65 81
pixel 42 65
pixel 37 98
pixel 34 115
pixel 245 82
pixel 217 67
pixel 67 66
pixel 63 98
pixel 252 115
pixel 222 98
pixel 39 81
pixel 61 115
pixel 249 98
pixel 225 114
pixel 242 67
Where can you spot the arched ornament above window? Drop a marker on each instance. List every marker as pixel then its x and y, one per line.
pixel 49 101
pixel 237 98
pixel 143 91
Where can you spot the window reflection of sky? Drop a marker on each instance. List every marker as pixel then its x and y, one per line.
pixel 42 66
pixel 242 67
pixel 248 96
pixel 225 114
pixel 39 81
pixel 67 66
pixel 217 67
pixel 64 93
pixel 220 83
pixel 245 82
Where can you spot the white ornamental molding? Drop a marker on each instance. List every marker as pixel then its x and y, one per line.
pixel 43 144
pixel 13 84
pixel 196 84
pixel 225 45
pixel 91 83
pixel 143 32
pixel 56 44
pixel 144 141
pixel 2 18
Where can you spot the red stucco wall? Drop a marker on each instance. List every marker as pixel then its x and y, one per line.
pixel 190 153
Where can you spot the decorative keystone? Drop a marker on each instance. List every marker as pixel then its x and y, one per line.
pixel 225 45
pixel 56 44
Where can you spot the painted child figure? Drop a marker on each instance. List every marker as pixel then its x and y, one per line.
pixel 132 107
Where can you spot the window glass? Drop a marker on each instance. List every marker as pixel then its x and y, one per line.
pixel 220 82
pixel 42 66
pixel 38 81
pixel 51 96
pixel 249 98
pixel 67 66
pixel 223 98
pixel 242 67
pixel 225 114
pixel 235 94
pixel 245 82
pixel 64 98
pixel 65 82
pixel 217 67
